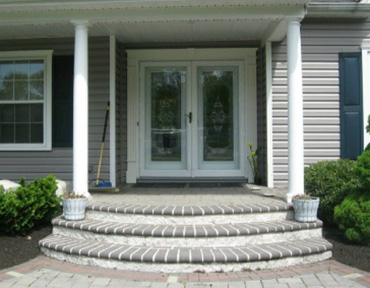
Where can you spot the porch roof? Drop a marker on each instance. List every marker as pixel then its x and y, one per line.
pixel 151 21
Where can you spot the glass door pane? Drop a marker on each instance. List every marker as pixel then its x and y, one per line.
pixel 218 129
pixel 165 118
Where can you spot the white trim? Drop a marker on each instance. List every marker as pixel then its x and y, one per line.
pixel 135 57
pixel 112 112
pixel 269 132
pixel 45 55
pixel 365 91
pixel 132 119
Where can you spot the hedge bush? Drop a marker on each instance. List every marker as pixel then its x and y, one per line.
pixel 332 181
pixel 353 217
pixel 363 169
pixel 28 206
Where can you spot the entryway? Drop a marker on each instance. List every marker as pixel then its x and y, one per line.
pixel 192 115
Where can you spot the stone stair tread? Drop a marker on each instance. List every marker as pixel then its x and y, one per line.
pixel 251 253
pixel 208 230
pixel 189 210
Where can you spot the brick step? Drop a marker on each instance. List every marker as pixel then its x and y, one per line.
pixel 214 235
pixel 190 215
pixel 190 210
pixel 130 257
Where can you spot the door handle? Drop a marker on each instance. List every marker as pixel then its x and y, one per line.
pixel 189 116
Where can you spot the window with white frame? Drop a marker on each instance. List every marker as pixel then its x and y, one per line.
pixel 25 100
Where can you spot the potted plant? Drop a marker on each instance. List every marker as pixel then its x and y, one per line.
pixel 74 206
pixel 305 207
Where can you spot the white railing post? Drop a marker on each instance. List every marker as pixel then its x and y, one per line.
pixel 295 111
pixel 80 110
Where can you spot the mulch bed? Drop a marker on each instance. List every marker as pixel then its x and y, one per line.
pixel 16 250
pixel 347 253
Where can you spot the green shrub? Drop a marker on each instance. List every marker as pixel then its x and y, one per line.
pixel 353 217
pixel 363 169
pixel 332 181
pixel 28 205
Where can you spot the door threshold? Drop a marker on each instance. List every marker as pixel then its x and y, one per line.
pixel 152 180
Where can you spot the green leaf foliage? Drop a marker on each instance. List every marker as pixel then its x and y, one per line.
pixel 363 169
pixel 332 181
pixel 353 217
pixel 28 206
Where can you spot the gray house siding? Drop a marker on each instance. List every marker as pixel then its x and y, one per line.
pixel 31 165
pixel 261 114
pixel 321 44
pixel 121 112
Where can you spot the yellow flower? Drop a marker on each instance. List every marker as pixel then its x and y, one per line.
pixel 250 144
pixel 253 153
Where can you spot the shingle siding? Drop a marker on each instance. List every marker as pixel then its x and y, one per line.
pixel 321 44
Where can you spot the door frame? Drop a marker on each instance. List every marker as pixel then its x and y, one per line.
pixel 134 122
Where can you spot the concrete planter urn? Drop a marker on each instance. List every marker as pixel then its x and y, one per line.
pixel 74 207
pixel 305 208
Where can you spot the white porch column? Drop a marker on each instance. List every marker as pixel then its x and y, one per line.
pixel 295 111
pixel 80 110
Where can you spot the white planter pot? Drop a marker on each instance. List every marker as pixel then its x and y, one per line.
pixel 306 210
pixel 74 209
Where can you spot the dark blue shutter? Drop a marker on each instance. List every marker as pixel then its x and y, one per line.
pixel 351 120
pixel 63 101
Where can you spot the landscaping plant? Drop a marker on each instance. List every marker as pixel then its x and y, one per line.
pixel 331 181
pixel 28 206
pixel 353 214
pixel 353 217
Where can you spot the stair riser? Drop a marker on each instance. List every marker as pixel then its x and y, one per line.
pixel 190 241
pixel 186 268
pixel 190 220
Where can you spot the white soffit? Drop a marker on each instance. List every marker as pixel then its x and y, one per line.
pixel 151 21
pixel 242 30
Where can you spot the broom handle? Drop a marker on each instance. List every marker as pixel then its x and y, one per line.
pixel 102 145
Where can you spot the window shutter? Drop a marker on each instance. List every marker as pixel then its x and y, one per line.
pixel 63 101
pixel 351 127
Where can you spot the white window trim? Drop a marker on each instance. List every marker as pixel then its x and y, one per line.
pixel 365 90
pixel 45 55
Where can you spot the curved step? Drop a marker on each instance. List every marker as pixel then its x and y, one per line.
pixel 187 235
pixel 134 229
pixel 191 210
pixel 190 215
pixel 113 254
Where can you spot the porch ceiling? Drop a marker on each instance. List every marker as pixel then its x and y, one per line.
pixel 191 31
pixel 151 21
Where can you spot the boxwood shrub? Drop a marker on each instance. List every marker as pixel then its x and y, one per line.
pixel 332 181
pixel 28 206
pixel 353 217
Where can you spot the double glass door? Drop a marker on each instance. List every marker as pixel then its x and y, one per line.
pixel 191 114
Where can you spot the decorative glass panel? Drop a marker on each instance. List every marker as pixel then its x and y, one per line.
pixel 166 116
pixel 217 86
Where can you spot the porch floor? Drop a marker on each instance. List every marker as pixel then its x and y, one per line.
pixel 187 195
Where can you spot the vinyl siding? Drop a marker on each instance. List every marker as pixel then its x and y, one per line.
pixel 31 165
pixel 261 114
pixel 321 44
pixel 121 112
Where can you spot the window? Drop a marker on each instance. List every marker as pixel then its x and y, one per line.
pixel 25 100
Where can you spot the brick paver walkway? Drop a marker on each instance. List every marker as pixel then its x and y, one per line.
pixel 45 272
